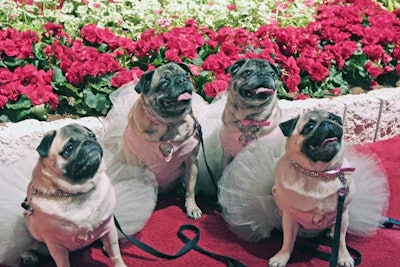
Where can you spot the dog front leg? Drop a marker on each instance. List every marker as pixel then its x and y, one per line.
pixel 290 230
pixel 111 245
pixel 226 159
pixel 344 257
pixel 59 253
pixel 192 210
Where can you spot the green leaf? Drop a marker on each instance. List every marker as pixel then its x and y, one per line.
pixel 13 62
pixel 58 76
pixel 38 51
pixel 98 102
pixel 22 103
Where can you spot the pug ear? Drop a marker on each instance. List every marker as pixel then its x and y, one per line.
pixel 45 144
pixel 336 118
pixel 275 68
pixel 186 68
pixel 143 85
pixel 287 127
pixel 236 66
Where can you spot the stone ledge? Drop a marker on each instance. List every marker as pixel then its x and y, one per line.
pixel 367 118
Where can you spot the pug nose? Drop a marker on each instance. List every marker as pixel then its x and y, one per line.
pixel 263 74
pixel 180 80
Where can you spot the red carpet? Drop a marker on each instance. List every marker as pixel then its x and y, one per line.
pixel 382 249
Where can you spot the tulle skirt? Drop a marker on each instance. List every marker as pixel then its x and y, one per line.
pixel 245 193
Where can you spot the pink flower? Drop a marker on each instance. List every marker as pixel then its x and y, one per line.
pixel 318 72
pixel 301 96
pixel 213 88
pixel 336 91
pixel 231 7
pixel 195 70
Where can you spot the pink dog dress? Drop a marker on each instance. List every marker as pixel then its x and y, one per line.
pixel 168 168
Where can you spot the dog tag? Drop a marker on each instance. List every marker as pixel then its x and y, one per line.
pixel 247 138
pixel 166 149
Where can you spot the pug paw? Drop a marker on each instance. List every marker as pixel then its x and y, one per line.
pixel 279 260
pixel 194 213
pixel 29 259
pixel 345 259
pixel 192 210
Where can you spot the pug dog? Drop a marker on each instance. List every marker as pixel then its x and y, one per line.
pixel 70 200
pixel 162 132
pixel 251 109
pixel 308 178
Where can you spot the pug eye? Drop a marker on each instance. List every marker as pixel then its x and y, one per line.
pixel 336 119
pixel 247 73
pixel 272 73
pixel 92 136
pixel 308 127
pixel 68 151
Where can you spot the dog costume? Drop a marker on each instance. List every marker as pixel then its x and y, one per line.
pixel 246 194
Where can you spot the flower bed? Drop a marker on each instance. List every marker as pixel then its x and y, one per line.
pixel 346 44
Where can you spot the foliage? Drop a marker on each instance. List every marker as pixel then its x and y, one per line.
pixel 72 66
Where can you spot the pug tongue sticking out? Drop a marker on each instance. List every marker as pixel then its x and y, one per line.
pixel 184 96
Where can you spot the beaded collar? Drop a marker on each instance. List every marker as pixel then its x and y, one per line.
pixel 246 122
pixel 331 174
pixel 57 194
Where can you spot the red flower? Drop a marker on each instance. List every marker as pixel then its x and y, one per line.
pixel 53 29
pixel 88 33
pixel 318 72
pixel 126 76
pixel 213 88
pixel 373 52
pixel 195 70
pixel 3 100
pixel 373 70
pixel 336 91
pixel 231 7
pixel 292 83
pixel 301 96
pixel 397 68
pixel 7 76
pixel 172 55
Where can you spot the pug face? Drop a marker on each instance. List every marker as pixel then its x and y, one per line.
pixel 167 90
pixel 317 135
pixel 72 153
pixel 254 81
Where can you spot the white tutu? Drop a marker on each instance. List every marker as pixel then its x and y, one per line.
pixel 245 193
pixel 14 236
pixel 143 190
pixel 136 199
pixel 210 119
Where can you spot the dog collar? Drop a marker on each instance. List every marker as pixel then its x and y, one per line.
pixel 246 122
pixel 150 116
pixel 57 194
pixel 331 174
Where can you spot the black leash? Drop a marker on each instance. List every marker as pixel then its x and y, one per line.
pixel 190 244
pixel 185 249
pixel 230 262
pixel 200 132
pixel 390 222
pixel 343 192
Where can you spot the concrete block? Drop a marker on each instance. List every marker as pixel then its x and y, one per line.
pixel 17 140
pixel 92 123
pixel 291 109
pixel 361 118
pixel 389 119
